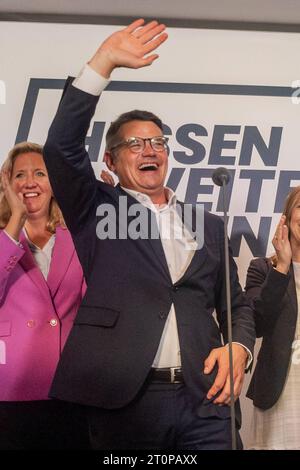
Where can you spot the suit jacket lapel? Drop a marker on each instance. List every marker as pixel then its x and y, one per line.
pixel 154 243
pixel 62 254
pixel 158 250
pixel 32 270
pixel 291 291
pixel 199 254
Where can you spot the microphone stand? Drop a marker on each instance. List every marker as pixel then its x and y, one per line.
pixel 221 177
pixel 229 322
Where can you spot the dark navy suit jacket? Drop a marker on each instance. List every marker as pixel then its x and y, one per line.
pixel 119 325
pixel 274 299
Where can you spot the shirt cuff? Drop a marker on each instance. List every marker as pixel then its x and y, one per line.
pixel 90 81
pixel 250 357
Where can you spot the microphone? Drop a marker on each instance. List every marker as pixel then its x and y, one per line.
pixel 221 177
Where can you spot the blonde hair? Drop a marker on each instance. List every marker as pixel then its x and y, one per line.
pixel 291 202
pixel 55 215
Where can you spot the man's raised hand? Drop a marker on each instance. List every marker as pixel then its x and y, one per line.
pixel 129 47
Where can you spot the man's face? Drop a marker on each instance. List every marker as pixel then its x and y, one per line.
pixel 144 171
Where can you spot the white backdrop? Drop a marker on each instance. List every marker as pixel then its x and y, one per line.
pixel 223 95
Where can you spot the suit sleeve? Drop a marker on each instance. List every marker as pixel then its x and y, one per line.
pixel 70 172
pixel 10 254
pixel 265 291
pixel 242 316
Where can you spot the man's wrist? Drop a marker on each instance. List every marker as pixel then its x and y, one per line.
pixel 90 81
pixel 248 354
pixel 282 268
pixel 102 64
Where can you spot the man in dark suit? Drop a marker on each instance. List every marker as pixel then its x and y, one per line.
pixel 145 353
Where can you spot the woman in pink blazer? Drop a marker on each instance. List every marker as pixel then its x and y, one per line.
pixel 41 288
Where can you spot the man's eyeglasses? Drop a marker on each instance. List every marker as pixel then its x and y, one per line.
pixel 137 144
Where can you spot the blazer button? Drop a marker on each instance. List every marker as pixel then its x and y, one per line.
pixel 31 323
pixel 53 322
pixel 175 288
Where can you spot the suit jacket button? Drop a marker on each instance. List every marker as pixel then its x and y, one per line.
pixel 175 288
pixel 53 322
pixel 31 323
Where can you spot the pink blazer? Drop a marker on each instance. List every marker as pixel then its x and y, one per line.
pixel 35 315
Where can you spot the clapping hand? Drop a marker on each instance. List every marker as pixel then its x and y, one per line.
pixel 107 177
pixel 282 246
pixel 15 201
pixel 18 208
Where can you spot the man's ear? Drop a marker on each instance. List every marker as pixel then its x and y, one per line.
pixel 108 159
